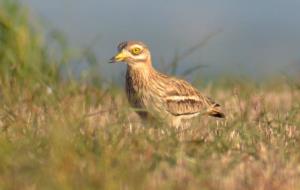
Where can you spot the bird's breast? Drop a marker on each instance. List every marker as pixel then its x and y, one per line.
pixel 135 88
pixel 141 92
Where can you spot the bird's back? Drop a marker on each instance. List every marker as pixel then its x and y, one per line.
pixel 163 95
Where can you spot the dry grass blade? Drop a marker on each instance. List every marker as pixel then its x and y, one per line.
pixel 173 66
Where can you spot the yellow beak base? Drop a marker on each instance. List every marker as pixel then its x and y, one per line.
pixel 118 57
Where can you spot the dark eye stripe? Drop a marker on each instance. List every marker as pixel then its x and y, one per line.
pixel 122 45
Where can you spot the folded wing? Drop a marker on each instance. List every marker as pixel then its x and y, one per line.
pixel 181 98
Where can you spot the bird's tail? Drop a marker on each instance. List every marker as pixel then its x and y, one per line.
pixel 215 111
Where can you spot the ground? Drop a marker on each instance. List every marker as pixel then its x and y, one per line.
pixel 81 137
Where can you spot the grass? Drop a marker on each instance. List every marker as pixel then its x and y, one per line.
pixel 57 134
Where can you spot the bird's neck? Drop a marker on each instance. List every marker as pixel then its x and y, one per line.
pixel 143 69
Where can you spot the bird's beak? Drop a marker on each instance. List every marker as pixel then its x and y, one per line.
pixel 119 57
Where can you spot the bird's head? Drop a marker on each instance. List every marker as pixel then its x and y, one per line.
pixel 132 53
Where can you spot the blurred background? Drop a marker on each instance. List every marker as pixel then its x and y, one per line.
pixel 255 39
pixel 65 122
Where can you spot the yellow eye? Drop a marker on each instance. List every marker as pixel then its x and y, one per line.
pixel 136 51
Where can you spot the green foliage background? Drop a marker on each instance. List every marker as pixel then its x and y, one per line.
pixel 22 47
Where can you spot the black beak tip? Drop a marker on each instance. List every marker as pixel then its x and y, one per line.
pixel 112 60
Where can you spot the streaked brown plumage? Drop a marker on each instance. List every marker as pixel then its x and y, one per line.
pixel 158 95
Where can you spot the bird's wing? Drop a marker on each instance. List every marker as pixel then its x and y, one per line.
pixel 181 98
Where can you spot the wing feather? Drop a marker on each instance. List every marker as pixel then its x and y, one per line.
pixel 183 99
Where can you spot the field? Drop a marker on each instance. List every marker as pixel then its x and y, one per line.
pixel 58 133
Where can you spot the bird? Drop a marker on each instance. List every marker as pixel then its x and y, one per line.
pixel 157 95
